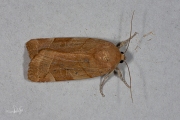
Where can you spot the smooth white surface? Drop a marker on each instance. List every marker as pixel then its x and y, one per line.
pixel 155 66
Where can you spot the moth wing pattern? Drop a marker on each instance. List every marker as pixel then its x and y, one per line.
pixel 70 58
pixel 66 45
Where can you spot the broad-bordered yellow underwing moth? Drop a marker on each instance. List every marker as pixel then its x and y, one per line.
pixel 73 58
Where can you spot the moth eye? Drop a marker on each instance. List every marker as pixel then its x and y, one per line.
pixel 121 61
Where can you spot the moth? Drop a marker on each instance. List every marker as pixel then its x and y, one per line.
pixel 74 58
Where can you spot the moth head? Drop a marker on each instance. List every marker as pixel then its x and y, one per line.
pixel 122 57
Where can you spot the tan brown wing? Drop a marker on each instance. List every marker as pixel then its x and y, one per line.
pixel 91 59
pixel 67 45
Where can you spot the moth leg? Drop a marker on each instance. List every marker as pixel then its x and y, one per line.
pixel 103 82
pixel 119 74
pixel 124 43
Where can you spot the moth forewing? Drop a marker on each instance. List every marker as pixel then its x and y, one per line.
pixel 70 60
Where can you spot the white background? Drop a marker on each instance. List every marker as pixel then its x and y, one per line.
pixel 154 64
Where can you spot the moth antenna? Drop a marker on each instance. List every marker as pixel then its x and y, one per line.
pixel 130 81
pixel 130 32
